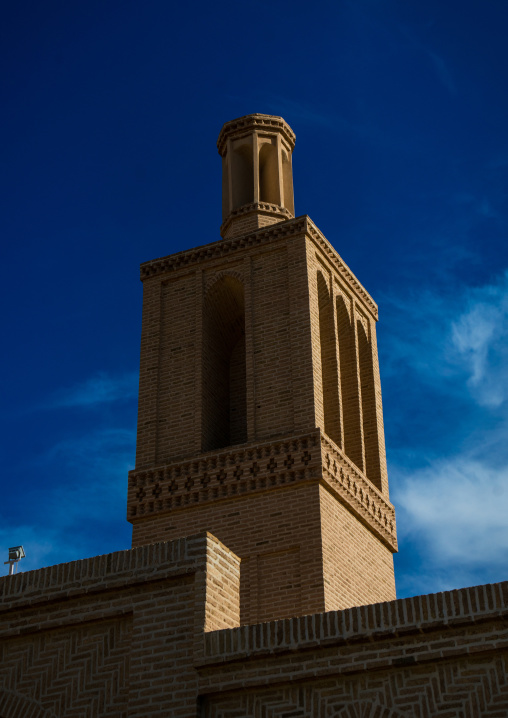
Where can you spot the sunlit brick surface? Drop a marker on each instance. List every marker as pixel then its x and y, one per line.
pixel 246 344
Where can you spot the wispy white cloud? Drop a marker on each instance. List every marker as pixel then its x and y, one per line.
pixel 452 496
pixel 307 112
pixel 479 339
pixel 458 336
pixel 482 205
pixel 440 66
pixel 367 128
pixel 458 507
pixel 94 474
pixel 99 389
pixel 291 109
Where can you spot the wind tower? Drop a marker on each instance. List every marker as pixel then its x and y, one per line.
pixel 260 415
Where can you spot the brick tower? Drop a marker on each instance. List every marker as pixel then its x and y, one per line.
pixel 260 416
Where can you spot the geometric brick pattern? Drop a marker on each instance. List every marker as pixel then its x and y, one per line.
pixel 467 688
pixel 13 705
pixel 77 671
pixel 115 635
pixel 439 655
pixel 255 468
pixel 354 490
pixel 218 475
pixel 260 419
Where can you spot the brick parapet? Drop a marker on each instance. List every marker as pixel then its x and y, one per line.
pixel 100 573
pixel 217 599
pixel 400 633
pixel 118 633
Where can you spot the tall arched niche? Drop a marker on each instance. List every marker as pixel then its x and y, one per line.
pixel 224 396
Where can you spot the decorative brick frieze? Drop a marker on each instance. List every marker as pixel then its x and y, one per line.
pixel 254 468
pixel 260 439
pixel 222 248
pixel 218 475
pixel 253 216
pixel 354 490
pixel 262 207
pixel 249 343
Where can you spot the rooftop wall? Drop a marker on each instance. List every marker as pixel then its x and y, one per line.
pixel 154 631
pixel 114 635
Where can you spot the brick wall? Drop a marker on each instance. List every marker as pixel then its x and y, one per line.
pixel 115 635
pixel 154 631
pixel 347 387
pixel 357 565
pixel 443 655
pixel 274 533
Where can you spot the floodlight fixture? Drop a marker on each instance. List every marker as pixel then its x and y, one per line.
pixel 16 553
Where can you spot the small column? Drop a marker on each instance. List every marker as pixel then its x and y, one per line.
pixel 255 165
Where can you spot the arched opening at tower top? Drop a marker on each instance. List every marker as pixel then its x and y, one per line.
pixel 224 398
pixel 242 175
pixel 268 174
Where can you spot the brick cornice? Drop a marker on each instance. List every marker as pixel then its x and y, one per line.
pixel 224 474
pixel 280 230
pixel 275 211
pixel 223 247
pixel 242 125
pixel 341 267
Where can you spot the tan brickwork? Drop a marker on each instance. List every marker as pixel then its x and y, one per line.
pixel 443 655
pixel 116 635
pixel 358 567
pixel 275 534
pixel 155 631
pixel 257 177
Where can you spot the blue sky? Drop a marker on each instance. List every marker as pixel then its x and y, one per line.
pixel 111 111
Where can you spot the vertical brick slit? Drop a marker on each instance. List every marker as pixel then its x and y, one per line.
pixel 349 385
pixel 370 429
pixel 329 371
